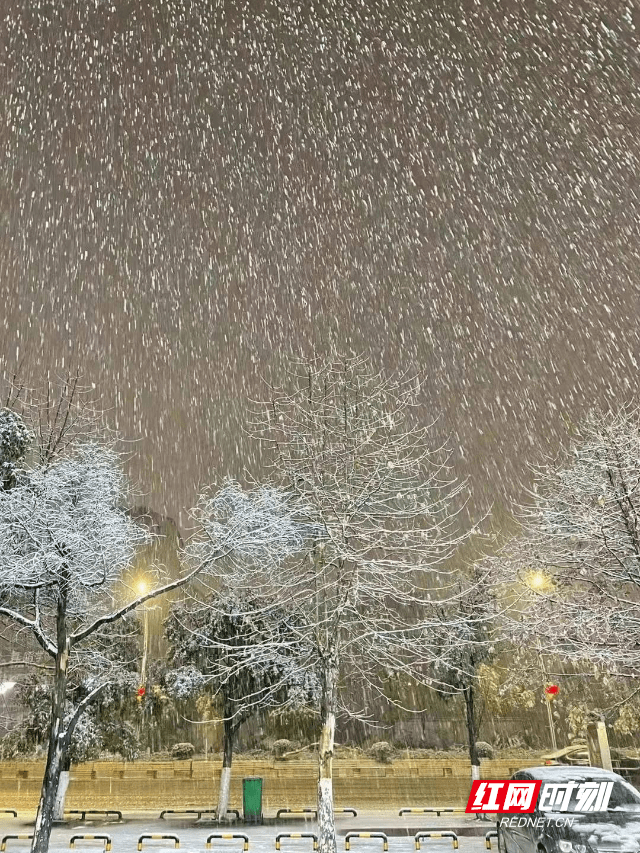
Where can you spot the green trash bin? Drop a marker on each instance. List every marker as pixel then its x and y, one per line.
pixel 252 799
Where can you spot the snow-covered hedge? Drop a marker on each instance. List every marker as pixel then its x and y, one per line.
pixel 182 750
pixel 382 752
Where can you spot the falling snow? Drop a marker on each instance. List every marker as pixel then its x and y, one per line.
pixel 190 191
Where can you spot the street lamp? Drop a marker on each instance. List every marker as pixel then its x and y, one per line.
pixel 142 586
pixel 550 693
pixel 538 581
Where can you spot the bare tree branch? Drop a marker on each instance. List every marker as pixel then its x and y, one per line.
pixel 374 508
pixel 576 563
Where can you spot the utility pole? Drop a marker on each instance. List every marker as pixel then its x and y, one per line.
pixel 550 693
pixel 145 647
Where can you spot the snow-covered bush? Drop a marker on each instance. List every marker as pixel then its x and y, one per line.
pixel 382 751
pixel 86 741
pixel 628 722
pixel 121 738
pixel 578 716
pixel 284 721
pixel 186 682
pixel 484 749
pixel 282 746
pixel 13 745
pixel 182 750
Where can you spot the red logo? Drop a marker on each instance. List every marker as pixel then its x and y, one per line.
pixel 503 796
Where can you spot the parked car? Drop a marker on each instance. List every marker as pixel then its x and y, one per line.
pixel 616 829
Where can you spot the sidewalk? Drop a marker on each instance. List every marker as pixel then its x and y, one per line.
pixel 390 822
pixel 136 823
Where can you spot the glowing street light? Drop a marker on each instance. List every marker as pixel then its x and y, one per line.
pixel 142 586
pixel 538 581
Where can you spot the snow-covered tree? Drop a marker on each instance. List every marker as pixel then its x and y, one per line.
pixel 505 685
pixel 574 572
pixel 242 658
pixel 66 542
pixel 372 522
pixel 112 654
pixel 15 438
pixel 466 639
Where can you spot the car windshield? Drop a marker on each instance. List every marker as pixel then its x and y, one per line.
pixel 621 797
pixel 588 796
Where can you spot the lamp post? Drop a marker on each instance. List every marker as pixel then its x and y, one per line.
pixel 540 583
pixel 145 648
pixel 550 693
pixel 142 587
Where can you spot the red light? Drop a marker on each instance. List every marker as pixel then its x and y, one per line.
pixel 551 690
pixel 141 691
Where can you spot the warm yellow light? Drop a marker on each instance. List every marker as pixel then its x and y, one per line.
pixel 142 586
pixel 538 581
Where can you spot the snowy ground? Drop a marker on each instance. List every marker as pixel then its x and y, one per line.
pixel 124 835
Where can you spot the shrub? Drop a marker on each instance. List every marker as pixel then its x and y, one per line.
pixel 182 750
pixel 85 742
pixel 382 752
pixel 280 747
pixel 485 750
pixel 120 738
pixel 13 745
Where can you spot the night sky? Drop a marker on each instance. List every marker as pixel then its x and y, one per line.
pixel 191 191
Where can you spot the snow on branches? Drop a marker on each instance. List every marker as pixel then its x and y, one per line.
pixel 62 527
pixel 576 565
pixel 15 438
pixel 251 657
pixel 65 539
pixel 368 515
pixel 379 509
pixel 252 528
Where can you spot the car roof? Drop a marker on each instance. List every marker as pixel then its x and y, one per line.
pixel 568 772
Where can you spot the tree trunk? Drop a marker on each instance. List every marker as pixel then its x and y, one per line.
pixel 56 755
pixel 225 774
pixel 63 784
pixel 471 732
pixel 326 824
